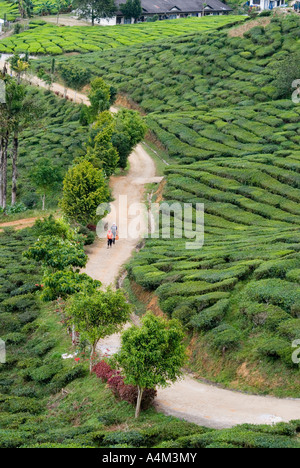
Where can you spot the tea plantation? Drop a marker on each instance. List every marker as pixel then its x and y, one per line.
pixel 57 134
pixel 199 71
pixel 214 103
pixel 12 12
pixel 52 40
pixel 8 9
pixel 46 401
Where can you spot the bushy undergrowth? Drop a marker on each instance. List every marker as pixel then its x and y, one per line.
pixel 48 39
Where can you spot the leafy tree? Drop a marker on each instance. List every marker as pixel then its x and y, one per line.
pixel 45 176
pixel 65 283
pixel 103 154
pixel 57 253
pixel 16 114
pixel 74 76
pixel 99 97
pixel 25 7
pixel 132 9
pixel 53 227
pixel 95 9
pixel 152 355
pixel 62 5
pixel 98 315
pixel 130 130
pixel 85 188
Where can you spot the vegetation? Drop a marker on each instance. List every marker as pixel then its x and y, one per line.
pixel 26 8
pixel 241 161
pixel 85 188
pixel 53 40
pixel 46 401
pixel 98 315
pixel 57 134
pixel 151 355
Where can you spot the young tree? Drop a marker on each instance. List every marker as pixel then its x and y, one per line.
pixel 132 9
pixel 74 76
pixel 99 97
pixel 85 188
pixel 65 283
pixel 102 153
pixel 130 129
pixel 95 9
pixel 17 113
pixel 46 177
pixel 152 355
pixel 98 315
pixel 58 254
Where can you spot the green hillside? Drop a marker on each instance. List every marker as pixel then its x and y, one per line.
pixel 199 71
pixel 48 402
pixel 53 40
pixel 57 134
pixel 213 102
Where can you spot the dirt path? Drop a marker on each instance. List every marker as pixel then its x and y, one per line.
pixel 19 224
pixel 104 264
pixel 187 399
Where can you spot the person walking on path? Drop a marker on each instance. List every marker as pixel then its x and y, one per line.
pixel 110 237
pixel 114 230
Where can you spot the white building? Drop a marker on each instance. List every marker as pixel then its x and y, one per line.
pixel 1 24
pixel 267 4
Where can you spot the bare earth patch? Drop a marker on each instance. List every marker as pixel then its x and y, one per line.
pixel 243 28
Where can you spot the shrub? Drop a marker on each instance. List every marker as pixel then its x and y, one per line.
pixel 103 371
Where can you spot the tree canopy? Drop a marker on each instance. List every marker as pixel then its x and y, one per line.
pixel 94 10
pixel 85 188
pixel 153 354
pixel 98 315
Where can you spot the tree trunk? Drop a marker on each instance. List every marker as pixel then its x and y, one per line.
pixel 43 202
pixel 14 168
pixel 4 171
pixel 139 402
pixel 1 169
pixel 92 355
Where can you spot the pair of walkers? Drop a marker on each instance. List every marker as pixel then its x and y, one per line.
pixel 112 236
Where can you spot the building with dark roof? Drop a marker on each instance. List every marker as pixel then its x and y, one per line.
pixel 173 9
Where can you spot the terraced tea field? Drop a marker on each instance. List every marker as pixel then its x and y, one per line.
pixel 8 9
pixel 214 103
pixel 57 134
pixel 266 128
pixel 198 71
pixel 52 40
pixel 240 293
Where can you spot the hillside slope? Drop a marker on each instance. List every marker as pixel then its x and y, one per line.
pixel 213 101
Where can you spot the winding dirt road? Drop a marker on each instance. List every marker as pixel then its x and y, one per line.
pixel 187 399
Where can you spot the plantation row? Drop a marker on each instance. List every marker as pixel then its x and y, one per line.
pixel 240 292
pixel 9 9
pixel 52 40
pixel 33 411
pixel 267 129
pixel 199 71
